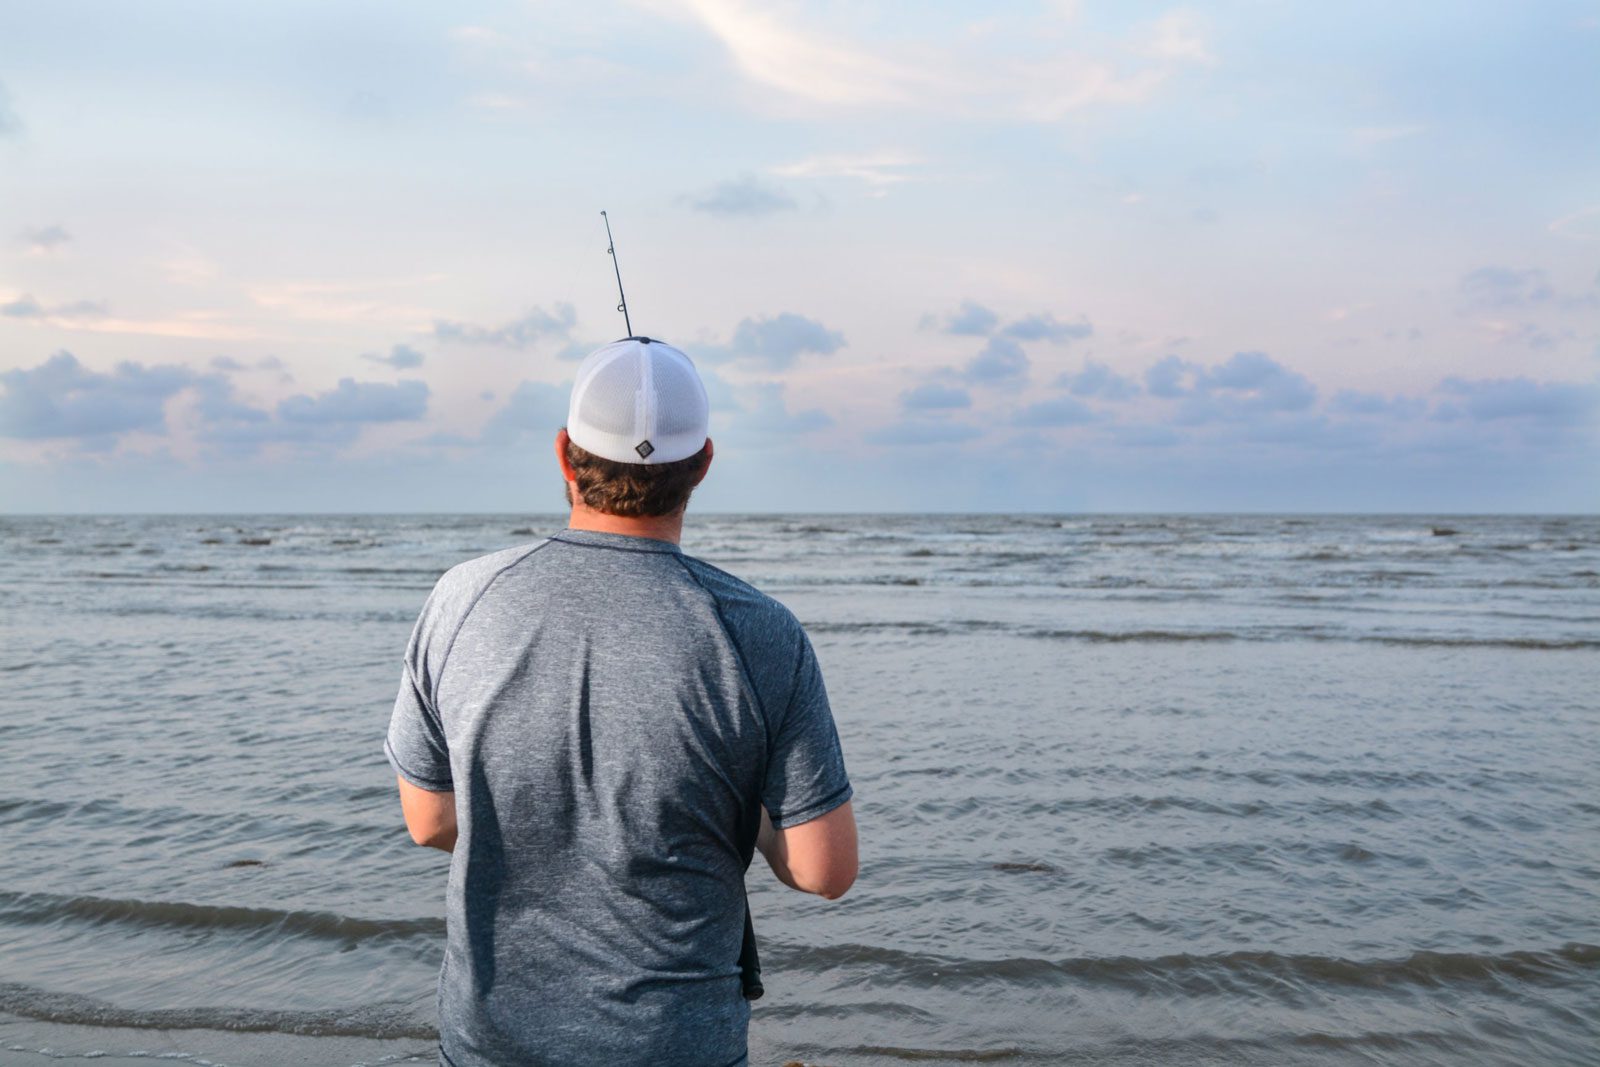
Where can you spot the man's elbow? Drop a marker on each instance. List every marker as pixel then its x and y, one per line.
pixel 835 890
pixel 440 837
pixel 433 836
pixel 832 884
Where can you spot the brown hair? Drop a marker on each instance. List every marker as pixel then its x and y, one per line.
pixel 634 490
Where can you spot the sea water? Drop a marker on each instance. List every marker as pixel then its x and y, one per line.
pixel 1131 789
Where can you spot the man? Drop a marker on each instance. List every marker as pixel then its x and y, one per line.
pixel 602 730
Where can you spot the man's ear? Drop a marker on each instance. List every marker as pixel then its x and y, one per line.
pixel 706 465
pixel 561 455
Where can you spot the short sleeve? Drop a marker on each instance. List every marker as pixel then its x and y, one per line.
pixel 416 742
pixel 805 769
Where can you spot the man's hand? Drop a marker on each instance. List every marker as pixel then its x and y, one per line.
pixel 431 817
pixel 814 857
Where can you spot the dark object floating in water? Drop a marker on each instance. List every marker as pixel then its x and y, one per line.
pixel 1043 868
pixel 522 531
pixel 211 541
pixel 243 863
pixel 1444 531
pixel 255 540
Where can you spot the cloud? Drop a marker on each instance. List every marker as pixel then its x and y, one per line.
pixel 778 341
pixel 766 416
pixel 63 398
pixel 42 240
pixel 724 398
pixel 1506 287
pixel 229 364
pixel 216 402
pixel 746 197
pixel 935 397
pixel 971 319
pixel 1581 225
pixel 536 325
pixel 1256 378
pixel 1530 334
pixel 1354 402
pixel 26 307
pixel 802 64
pixel 1510 288
pixel 1564 404
pixel 825 70
pixel 1177 36
pixel 331 418
pixel 923 432
pixel 400 357
pixel 878 170
pixel 1062 411
pixel 1001 360
pixel 1170 377
pixel 359 402
pixel 23 307
pixel 1098 380
pixel 575 350
pixel 1249 382
pixel 226 422
pixel 534 409
pixel 1046 327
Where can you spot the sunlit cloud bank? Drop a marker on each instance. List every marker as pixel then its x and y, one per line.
pixel 1043 256
pixel 1090 435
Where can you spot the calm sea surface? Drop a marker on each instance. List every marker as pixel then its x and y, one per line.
pixel 1223 789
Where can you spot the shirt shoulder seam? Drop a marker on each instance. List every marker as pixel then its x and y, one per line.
pixel 733 642
pixel 444 661
pixel 697 561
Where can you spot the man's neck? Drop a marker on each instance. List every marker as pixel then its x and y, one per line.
pixel 659 527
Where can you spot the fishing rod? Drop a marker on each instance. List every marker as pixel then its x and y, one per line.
pixel 611 250
pixel 749 955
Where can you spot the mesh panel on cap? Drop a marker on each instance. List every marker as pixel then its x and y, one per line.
pixel 606 416
pixel 609 400
pixel 681 403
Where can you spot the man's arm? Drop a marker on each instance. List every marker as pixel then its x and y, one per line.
pixel 431 817
pixel 818 856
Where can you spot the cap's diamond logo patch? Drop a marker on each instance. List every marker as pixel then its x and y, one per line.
pixel 644 448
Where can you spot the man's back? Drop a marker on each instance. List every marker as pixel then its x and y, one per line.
pixel 611 715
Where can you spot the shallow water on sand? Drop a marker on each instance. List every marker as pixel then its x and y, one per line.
pixel 1223 789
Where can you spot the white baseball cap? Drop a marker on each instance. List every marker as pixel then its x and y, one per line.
pixel 638 400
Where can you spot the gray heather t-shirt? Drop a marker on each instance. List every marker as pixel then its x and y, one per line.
pixel 610 714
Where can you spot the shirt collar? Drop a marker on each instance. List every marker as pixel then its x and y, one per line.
pixel 627 542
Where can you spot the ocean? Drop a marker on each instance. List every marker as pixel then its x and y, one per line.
pixel 1221 789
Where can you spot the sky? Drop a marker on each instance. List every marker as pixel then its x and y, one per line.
pixel 1050 256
